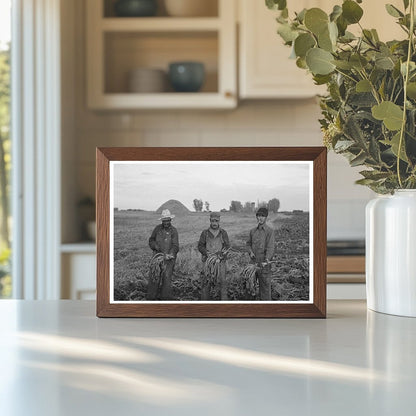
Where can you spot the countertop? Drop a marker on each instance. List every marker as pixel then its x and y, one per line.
pixel 57 358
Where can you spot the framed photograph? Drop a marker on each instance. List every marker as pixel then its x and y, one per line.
pixel 211 232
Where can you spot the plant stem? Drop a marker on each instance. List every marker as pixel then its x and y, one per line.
pixel 373 88
pixel 405 81
pixel 346 75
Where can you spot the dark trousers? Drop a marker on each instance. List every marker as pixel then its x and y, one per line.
pixel 162 286
pixel 206 287
pixel 265 283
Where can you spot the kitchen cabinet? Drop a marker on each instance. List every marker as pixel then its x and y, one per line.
pixel 265 70
pixel 78 262
pixel 118 45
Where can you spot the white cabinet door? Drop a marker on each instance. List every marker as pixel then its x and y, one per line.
pixel 264 66
pixel 78 276
pixel 265 69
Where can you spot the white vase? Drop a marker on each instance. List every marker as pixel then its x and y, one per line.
pixel 391 253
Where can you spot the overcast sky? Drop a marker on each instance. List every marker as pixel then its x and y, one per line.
pixel 144 185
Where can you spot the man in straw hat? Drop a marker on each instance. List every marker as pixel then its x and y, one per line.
pixel 260 246
pixel 164 240
pixel 213 245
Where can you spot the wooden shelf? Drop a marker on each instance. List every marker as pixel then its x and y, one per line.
pixel 80 247
pixel 160 24
pixel 196 100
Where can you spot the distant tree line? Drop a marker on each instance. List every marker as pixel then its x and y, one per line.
pixel 273 206
pixel 237 206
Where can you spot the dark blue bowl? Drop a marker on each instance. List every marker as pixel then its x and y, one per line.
pixel 135 8
pixel 186 76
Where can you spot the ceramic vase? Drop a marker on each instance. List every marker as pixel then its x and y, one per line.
pixel 391 253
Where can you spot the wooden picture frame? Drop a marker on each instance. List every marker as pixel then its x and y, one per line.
pixel 261 163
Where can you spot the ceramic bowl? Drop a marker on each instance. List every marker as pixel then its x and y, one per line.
pixel 135 8
pixel 186 76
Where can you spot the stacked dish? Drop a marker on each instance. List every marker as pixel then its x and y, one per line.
pixel 147 80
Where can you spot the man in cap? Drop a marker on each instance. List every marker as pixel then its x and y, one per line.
pixel 261 250
pixel 164 239
pixel 214 241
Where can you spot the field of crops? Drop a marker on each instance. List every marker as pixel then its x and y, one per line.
pixel 132 229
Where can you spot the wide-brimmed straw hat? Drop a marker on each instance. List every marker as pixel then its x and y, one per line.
pixel 166 215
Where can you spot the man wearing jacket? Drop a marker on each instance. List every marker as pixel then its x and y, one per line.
pixel 261 250
pixel 214 240
pixel 164 239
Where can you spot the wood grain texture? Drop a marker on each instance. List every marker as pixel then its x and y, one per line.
pixel 103 231
pixel 317 309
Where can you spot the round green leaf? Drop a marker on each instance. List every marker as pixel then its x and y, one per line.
pixel 393 11
pixel 384 62
pixel 287 33
pixel 358 61
pixel 395 144
pixel 344 65
pixel 325 42
pixel 411 90
pixel 391 114
pixel 336 12
pixel 276 4
pixel 316 20
pixel 351 11
pixel 303 43
pixel 363 86
pixel 319 61
pixel 301 15
pixel 333 32
pixel 301 63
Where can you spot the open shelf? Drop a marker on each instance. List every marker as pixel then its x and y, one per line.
pixel 116 46
pixel 127 51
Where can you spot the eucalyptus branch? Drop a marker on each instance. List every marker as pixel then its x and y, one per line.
pixel 405 81
pixel 398 95
pixel 373 88
pixel 346 75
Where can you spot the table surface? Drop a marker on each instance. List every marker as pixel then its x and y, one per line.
pixel 57 358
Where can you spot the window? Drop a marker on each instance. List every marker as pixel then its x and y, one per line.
pixel 5 145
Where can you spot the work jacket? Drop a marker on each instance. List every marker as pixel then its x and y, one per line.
pixel 164 240
pixel 210 243
pixel 261 242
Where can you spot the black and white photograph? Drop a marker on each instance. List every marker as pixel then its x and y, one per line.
pixel 206 231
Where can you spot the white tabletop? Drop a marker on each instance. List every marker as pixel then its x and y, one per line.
pixel 57 358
